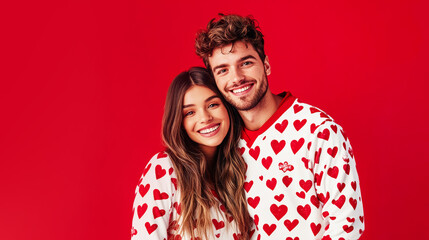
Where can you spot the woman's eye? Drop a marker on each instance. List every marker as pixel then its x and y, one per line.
pixel 189 113
pixel 213 105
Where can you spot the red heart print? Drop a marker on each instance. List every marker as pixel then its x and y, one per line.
pixel 170 171
pixel 256 219
pixel 248 186
pixel 351 152
pixel 141 210
pixel 297 108
pixel 304 211
pixel 242 149
pixel 306 185
pixel 178 207
pixel 354 185
pixel 161 155
pixel 147 169
pixel 333 172
pixel 305 161
pixel 287 180
pixel 353 202
pixel 333 151
pixel 266 162
pixel 217 235
pixel 150 228
pixel 295 238
pixel 323 198
pixel 323 115
pixel 157 195
pixel 174 181
pixel 255 152
pixel 158 212
pixel 313 127
pixel 348 229
pixel 218 225
pixel 361 218
pixel 301 194
pixel 253 202
pixel 324 135
pixel 334 128
pixel 341 186
pixel 313 110
pixel 278 211
pixel 325 214
pixel 299 124
pixel 271 184
pixel 281 126
pixel 159 172
pixel 236 236
pixel 315 201
pixel 291 225
pixel 327 237
pixel 269 229
pixel 261 177
pixel 315 228
pixel 318 178
pixel 278 146
pixel 317 156
pixel 279 197
pixel 296 145
pixel 309 145
pixel 350 219
pixel 346 168
pixel 143 189
pixel 339 202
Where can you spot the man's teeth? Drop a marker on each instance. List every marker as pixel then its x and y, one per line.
pixel 240 90
pixel 209 130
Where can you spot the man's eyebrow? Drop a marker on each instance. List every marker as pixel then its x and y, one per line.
pixel 241 60
pixel 219 66
pixel 247 57
pixel 208 99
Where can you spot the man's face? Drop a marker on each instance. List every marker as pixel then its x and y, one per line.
pixel 240 74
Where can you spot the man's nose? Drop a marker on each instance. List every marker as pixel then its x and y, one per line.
pixel 238 75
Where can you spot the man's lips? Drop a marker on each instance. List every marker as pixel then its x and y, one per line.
pixel 242 89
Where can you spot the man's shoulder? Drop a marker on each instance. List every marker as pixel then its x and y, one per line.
pixel 301 111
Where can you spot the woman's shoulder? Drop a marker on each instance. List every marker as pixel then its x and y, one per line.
pixel 159 168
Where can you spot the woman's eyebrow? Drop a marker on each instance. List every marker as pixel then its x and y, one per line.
pixel 208 99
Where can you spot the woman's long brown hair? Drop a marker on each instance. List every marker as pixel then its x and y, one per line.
pixel 190 165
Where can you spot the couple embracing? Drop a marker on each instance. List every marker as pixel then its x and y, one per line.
pixel 241 162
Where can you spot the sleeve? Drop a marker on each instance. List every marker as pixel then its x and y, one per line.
pixel 337 184
pixel 153 200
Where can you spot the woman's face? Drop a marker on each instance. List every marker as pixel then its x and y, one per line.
pixel 205 118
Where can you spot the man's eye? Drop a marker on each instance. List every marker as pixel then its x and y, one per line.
pixel 247 63
pixel 221 71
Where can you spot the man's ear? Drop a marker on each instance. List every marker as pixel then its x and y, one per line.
pixel 267 66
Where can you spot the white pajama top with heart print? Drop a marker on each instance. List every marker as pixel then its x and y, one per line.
pixel 156 207
pixel 301 180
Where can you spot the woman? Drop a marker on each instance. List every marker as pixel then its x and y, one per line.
pixel 194 190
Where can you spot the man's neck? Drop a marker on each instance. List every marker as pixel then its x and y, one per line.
pixel 256 117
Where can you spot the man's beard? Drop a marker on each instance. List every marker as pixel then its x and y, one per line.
pixel 243 105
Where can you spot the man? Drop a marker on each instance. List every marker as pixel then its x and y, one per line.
pixel 301 181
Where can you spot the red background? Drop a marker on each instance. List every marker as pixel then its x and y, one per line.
pixel 83 85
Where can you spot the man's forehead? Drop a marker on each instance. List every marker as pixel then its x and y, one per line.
pixel 232 47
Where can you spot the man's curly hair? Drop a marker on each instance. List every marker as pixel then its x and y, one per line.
pixel 229 29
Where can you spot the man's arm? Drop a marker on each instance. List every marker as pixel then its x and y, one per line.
pixel 337 183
